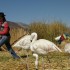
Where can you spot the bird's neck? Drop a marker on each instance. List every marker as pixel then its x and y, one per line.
pixel 34 39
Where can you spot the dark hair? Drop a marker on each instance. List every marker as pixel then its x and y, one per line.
pixel 3 16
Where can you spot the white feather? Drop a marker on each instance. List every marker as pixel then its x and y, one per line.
pixel 42 44
pixel 24 42
pixel 57 38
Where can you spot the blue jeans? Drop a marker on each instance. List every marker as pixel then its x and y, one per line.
pixel 6 40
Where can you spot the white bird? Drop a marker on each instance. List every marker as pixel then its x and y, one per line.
pixel 24 43
pixel 62 38
pixel 41 47
pixel 67 48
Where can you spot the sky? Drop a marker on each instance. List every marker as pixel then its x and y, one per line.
pixel 28 11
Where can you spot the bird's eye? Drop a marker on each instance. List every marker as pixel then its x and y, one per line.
pixel 31 40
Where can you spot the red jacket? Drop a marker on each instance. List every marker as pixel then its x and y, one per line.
pixel 4 28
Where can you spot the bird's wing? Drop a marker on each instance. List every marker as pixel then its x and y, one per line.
pixel 45 45
pixel 23 41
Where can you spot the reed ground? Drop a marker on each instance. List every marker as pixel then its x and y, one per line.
pixel 58 61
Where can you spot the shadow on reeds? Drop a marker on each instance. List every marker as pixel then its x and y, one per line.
pixel 24 56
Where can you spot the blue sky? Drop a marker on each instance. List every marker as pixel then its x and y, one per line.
pixel 28 11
